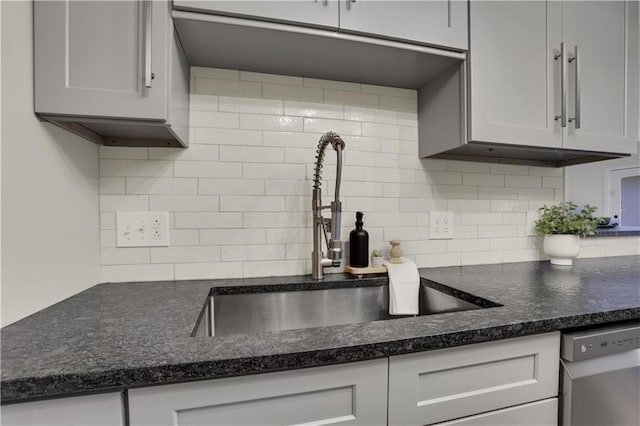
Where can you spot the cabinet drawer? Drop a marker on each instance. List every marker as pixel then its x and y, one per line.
pixel 91 410
pixel 539 413
pixel 353 394
pixel 455 382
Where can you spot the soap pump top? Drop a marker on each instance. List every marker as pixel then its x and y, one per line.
pixel 359 222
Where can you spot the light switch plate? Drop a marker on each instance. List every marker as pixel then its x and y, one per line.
pixel 142 229
pixel 440 225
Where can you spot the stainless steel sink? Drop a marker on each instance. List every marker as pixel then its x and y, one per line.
pixel 287 310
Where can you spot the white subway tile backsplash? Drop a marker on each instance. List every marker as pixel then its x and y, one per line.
pixel 123 152
pixel 243 203
pixel 276 220
pixel 184 203
pixel 124 255
pixel 226 120
pixel 468 166
pixel 141 272
pixel 239 198
pixel 251 154
pixel 271 122
pixel 107 219
pixel 270 78
pixel 347 97
pixel 203 220
pixel 330 84
pixel 252 253
pixel 126 168
pixel 208 270
pixel 311 109
pixel 184 237
pixel 218 73
pixel 228 137
pixel 274 268
pixel 536 194
pixel 185 254
pixel 523 181
pixel 497 193
pixel 273 171
pixel 221 237
pixel 373 115
pixel 482 179
pixel 107 238
pixel 250 105
pixel 162 186
pixel 203 102
pixel 228 87
pixel 112 185
pixel 395 103
pixel 546 171
pixel 194 153
pixel 208 169
pixel 128 203
pixel 342 127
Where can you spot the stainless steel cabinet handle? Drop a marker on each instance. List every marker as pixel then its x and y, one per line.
pixel 563 85
pixel 576 60
pixel 148 75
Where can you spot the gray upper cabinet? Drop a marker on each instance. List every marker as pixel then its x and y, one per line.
pixel 305 12
pixel 601 39
pixel 515 84
pixel 438 22
pixel 112 71
pixel 549 83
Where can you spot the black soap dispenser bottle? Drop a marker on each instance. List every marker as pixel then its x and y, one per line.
pixel 359 245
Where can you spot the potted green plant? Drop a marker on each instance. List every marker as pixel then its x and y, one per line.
pixel 376 258
pixel 562 226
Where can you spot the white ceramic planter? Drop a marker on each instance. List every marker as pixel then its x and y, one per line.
pixel 376 261
pixel 561 249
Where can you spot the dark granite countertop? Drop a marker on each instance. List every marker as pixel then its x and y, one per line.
pixel 113 336
pixel 618 231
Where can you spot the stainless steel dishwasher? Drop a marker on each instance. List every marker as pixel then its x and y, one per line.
pixel 600 383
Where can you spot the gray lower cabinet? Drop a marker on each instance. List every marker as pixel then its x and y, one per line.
pixel 91 410
pixel 445 384
pixel 436 22
pixel 112 71
pixel 537 413
pixel 353 394
pixel 506 382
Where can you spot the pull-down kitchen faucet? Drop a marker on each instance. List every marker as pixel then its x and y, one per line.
pixel 322 226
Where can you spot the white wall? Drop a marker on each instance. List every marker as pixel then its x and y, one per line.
pixel 585 183
pixel 50 238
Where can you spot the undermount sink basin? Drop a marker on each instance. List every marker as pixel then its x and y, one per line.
pixel 226 314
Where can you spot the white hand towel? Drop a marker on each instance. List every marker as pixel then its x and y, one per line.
pixel 404 287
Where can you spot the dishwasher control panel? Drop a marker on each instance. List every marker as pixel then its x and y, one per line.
pixel 598 342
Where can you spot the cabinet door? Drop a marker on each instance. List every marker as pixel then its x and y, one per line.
pixel 539 413
pixel 323 13
pixel 445 384
pixel 92 410
pixel 514 78
pixel 90 58
pixel 606 74
pixel 353 394
pixel 436 22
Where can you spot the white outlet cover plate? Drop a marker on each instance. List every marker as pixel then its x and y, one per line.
pixel 142 229
pixel 440 225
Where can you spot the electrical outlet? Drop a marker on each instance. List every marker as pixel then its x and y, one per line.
pixel 440 225
pixel 142 229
